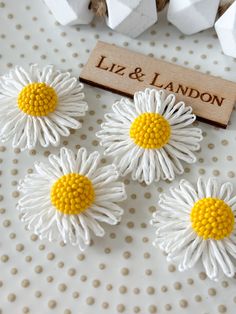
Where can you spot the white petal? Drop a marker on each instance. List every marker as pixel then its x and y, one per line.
pixel 103 176
pixel 225 193
pixel 181 151
pixel 201 188
pixel 222 258
pixel 193 253
pixel 209 262
pixel 212 188
pixel 90 223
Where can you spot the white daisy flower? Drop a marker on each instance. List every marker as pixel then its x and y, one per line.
pixel 150 136
pixel 39 106
pixel 69 197
pixel 198 225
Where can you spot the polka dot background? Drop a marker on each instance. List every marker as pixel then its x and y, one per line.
pixel 121 273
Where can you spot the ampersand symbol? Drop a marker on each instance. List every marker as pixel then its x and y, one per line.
pixel 137 74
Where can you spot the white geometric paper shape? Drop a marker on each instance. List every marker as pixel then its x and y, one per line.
pixel 70 12
pixel 226 31
pixel 131 17
pixel 192 16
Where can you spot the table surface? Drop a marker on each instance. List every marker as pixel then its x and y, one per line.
pixel 121 273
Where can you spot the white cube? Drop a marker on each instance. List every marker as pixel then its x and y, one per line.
pixel 226 30
pixel 70 12
pixel 131 17
pixel 192 16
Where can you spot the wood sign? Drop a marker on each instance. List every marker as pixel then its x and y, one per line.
pixel 125 72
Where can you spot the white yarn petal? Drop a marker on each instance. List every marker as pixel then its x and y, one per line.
pixel 150 164
pixel 176 235
pixel 42 217
pixel 26 130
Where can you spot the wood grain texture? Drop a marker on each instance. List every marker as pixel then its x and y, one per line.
pixel 124 72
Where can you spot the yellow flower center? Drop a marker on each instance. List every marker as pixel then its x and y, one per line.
pixel 150 130
pixel 37 99
pixel 212 218
pixel 72 194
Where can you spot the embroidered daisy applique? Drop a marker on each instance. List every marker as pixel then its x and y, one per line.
pixel 39 106
pixel 150 136
pixel 198 225
pixel 68 198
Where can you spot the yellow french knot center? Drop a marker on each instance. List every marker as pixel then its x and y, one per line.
pixel 37 99
pixel 212 218
pixel 72 194
pixel 150 130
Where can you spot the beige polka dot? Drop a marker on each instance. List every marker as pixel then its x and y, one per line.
pixel 50 279
pixel 96 283
pixel 137 309
pixel 25 283
pixel 190 281
pixel 62 287
pixel 105 305
pixel 202 276
pixel 71 271
pixel 34 237
pixel 146 255
pixel 225 284
pixel 11 297
pixel 183 303
pixel 14 271
pixel 123 289
pixel 222 308
pixel 148 272
pixel 102 266
pixel 90 300
pixel 109 287
pixel 120 308
pixel 20 247
pixel 41 247
pixel 52 304
pixel 150 290
pixel 75 295
pixel 50 256
pixel 125 271
pixel 6 223
pixel 38 269
pixel 38 294
pixel 81 257
pixel 4 258
pixel 212 292
pixel 177 285
pixel 168 307
pixel 164 289
pixel 198 298
pixel 26 310
pixel 152 309
pixel 171 268
pixel 28 259
pixel 127 254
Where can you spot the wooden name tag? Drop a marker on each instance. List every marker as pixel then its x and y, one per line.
pixel 125 72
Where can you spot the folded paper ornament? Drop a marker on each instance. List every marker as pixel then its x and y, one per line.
pixel 150 136
pixel 226 31
pixel 71 12
pixel 39 106
pixel 198 224
pixel 192 16
pixel 132 17
pixel 67 198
